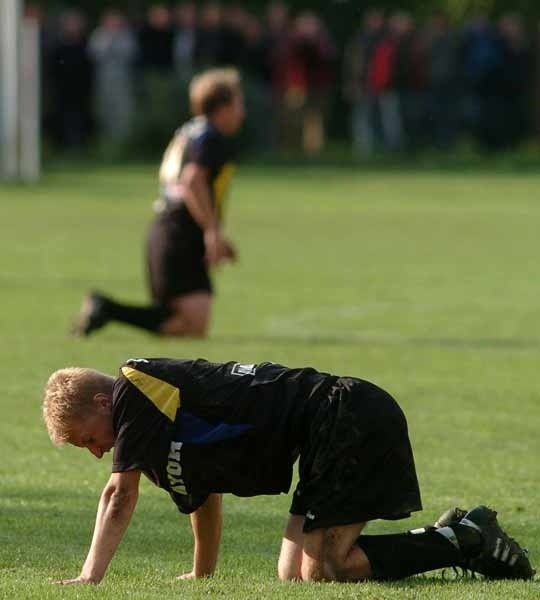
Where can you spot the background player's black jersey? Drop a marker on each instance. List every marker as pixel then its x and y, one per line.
pixel 195 427
pixel 199 142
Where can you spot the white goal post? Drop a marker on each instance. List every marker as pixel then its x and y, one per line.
pixel 20 144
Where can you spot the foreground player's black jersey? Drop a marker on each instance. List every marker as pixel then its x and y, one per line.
pixel 195 427
pixel 199 142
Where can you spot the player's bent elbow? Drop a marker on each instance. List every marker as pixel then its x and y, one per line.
pixel 122 501
pixel 125 496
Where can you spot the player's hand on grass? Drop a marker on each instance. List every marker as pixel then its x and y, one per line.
pixel 190 575
pixel 76 581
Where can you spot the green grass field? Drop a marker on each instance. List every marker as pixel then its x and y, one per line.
pixel 426 283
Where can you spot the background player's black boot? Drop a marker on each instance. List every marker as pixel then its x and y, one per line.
pixel 92 316
pixel 500 557
pixel 97 310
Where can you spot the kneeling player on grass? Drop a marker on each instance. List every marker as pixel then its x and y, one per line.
pixel 199 429
pixel 186 238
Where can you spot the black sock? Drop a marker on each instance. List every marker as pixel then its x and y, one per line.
pixel 145 317
pixel 401 555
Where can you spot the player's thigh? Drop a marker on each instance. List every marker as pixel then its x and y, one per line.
pixel 176 266
pixel 290 555
pixel 312 564
pixel 374 476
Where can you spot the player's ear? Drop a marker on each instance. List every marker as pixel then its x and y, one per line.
pixel 103 401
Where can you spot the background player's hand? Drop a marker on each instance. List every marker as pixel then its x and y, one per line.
pixel 217 248
pixel 229 251
pixel 212 243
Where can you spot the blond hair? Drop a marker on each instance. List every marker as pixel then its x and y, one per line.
pixel 212 89
pixel 69 395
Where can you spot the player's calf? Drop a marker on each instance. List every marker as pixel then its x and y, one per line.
pixel 331 554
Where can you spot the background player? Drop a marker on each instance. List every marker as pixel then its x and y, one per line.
pixel 186 238
pixel 199 429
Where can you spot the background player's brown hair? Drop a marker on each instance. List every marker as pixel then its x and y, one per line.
pixel 212 89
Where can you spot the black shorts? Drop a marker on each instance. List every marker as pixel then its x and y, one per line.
pixel 357 464
pixel 175 257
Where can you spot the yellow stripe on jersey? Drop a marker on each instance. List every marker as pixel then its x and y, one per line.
pixel 221 184
pixel 165 396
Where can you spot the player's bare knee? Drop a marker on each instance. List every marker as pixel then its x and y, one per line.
pixel 195 325
pixel 189 332
pixel 314 571
pixel 288 568
pixel 185 325
pixel 334 555
pixel 287 573
pixel 344 562
pixel 198 329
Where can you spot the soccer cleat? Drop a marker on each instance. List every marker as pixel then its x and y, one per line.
pixel 451 516
pixel 92 316
pixel 501 556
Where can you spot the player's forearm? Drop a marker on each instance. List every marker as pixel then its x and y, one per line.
pixel 206 523
pixel 114 513
pixel 198 199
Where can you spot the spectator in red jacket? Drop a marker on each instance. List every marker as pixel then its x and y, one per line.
pixel 307 77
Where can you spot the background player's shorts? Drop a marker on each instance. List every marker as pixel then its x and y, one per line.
pixel 357 464
pixel 175 255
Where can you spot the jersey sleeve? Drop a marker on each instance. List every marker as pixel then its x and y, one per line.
pixel 138 426
pixel 207 150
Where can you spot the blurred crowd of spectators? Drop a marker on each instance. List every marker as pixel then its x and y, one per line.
pixel 412 85
pixel 406 84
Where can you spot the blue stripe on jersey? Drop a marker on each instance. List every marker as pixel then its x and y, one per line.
pixel 193 430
